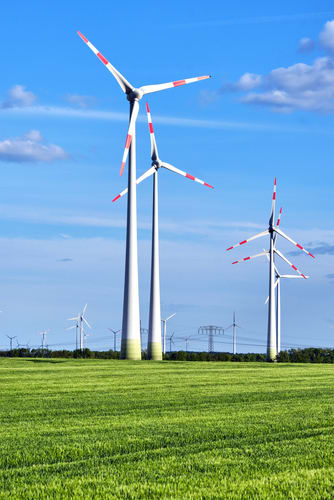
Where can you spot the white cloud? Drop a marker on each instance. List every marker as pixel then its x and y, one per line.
pixel 326 37
pixel 18 96
pixel 30 148
pixel 83 101
pixel 306 45
pixel 308 87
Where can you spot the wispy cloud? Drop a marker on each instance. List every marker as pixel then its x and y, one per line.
pixel 92 114
pixel 83 101
pixel 30 148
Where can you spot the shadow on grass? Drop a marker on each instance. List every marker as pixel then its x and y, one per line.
pixel 53 361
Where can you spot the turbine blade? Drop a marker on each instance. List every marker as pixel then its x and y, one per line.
pixel 258 235
pixel 84 309
pixel 288 262
pixel 84 319
pixel 148 89
pixel 170 167
pixel 131 130
pixel 292 241
pixel 279 217
pixel 272 215
pixel 154 149
pixel 249 258
pixel 293 276
pixel 148 172
pixel 169 317
pixel 71 327
pixel 73 319
pixel 123 83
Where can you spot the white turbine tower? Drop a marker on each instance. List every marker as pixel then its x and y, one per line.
pixel 164 321
pixel 234 326
pixel 278 277
pixel 154 330
pixel 272 230
pixel 130 345
pixel 76 326
pixel 80 319
pixel 44 338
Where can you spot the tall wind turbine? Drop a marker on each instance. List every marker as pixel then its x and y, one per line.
pixel 154 330
pixel 272 230
pixel 76 326
pixel 130 346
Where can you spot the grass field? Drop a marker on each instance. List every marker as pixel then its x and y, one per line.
pixel 116 429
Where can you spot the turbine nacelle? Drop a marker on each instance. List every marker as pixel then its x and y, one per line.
pixel 135 95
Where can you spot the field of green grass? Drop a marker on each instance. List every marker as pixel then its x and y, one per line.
pixel 116 429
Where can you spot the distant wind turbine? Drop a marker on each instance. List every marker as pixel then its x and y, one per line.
pixel 234 326
pixel 81 321
pixel 272 231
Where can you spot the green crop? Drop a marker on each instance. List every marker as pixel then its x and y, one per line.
pixel 116 429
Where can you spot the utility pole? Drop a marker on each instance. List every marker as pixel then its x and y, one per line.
pixel 211 331
pixel 11 341
pixel 115 332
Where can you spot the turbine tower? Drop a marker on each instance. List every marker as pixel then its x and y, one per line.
pixel 80 319
pixel 235 326
pixel 164 322
pixel 130 345
pixel 154 330
pixel 272 230
pixel 44 338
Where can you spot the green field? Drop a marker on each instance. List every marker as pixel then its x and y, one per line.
pixel 116 429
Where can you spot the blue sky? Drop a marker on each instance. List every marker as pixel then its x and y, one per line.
pixel 266 112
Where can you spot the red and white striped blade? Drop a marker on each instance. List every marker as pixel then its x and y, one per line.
pixel 170 167
pixel 131 131
pixel 279 217
pixel 148 89
pixel 154 149
pixel 272 215
pixel 279 231
pixel 148 172
pixel 249 239
pixel 249 258
pixel 293 276
pixel 288 262
pixel 123 83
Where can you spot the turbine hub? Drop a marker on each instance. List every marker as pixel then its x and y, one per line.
pixel 135 95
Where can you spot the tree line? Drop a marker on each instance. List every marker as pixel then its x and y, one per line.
pixel 307 355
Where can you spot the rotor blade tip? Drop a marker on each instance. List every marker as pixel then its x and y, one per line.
pixel 236 262
pixel 148 109
pixel 82 36
pixel 117 197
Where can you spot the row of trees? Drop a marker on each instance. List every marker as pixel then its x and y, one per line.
pixel 308 355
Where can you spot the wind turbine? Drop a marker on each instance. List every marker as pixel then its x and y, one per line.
pixel 235 326
pixel 76 326
pixel 171 341
pixel 272 230
pixel 81 320
pixel 164 321
pixel 154 330
pixel 130 345
pixel 187 340
pixel 115 332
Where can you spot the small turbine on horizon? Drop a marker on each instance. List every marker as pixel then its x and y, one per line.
pixel 80 319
